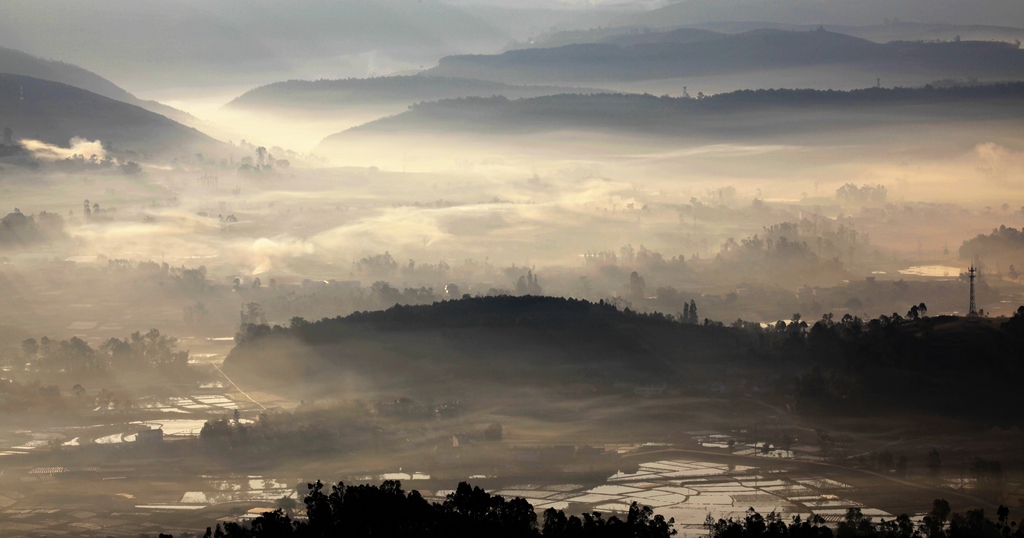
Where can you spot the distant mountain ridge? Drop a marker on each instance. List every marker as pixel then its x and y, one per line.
pixel 55 113
pixel 879 33
pixel 757 50
pixel 848 12
pixel 323 95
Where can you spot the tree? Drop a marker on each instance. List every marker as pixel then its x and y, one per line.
pixel 940 510
pixel 8 136
pixel 901 465
pixel 252 314
pixel 636 286
pixel 288 504
pixel 493 432
pixel 78 390
pixel 195 314
pixel 29 348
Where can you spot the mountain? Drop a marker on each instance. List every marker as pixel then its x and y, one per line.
pixel 55 113
pixel 754 51
pixel 879 33
pixel 213 42
pixel 16 62
pixel 326 96
pixel 884 33
pixel 847 12
pixel 743 113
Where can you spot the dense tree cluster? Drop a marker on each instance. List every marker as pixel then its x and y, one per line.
pixel 231 435
pixel 1002 243
pixel 865 194
pixel 16 396
pixel 138 351
pixel 385 294
pixel 388 511
pixel 789 250
pixel 180 278
pixel 18 229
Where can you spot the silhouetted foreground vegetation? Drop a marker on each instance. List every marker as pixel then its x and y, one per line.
pixel 468 511
pixel 934 525
pixel 387 510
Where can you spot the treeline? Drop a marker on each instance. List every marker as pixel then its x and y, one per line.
pixel 942 364
pixel 937 523
pixel 495 312
pixel 137 351
pixel 388 511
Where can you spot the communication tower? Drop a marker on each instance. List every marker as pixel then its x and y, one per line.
pixel 972 273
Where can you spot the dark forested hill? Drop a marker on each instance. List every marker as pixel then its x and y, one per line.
pixel 323 96
pixel 667 115
pixel 941 364
pixel 756 50
pixel 55 113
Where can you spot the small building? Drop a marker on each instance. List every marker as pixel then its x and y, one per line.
pixel 150 437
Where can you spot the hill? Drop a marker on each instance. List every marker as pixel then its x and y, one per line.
pixel 739 113
pixel 16 62
pixel 848 12
pixel 753 51
pixel 941 364
pixel 55 113
pixel 325 96
pixel 879 33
